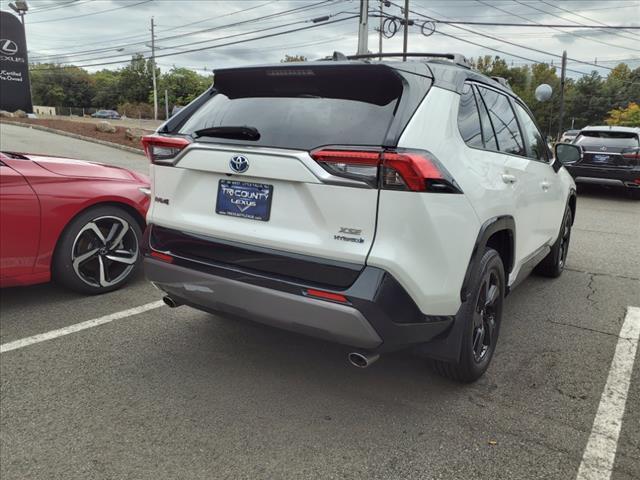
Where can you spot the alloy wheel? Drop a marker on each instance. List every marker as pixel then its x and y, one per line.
pixel 485 317
pixel 105 251
pixel 564 244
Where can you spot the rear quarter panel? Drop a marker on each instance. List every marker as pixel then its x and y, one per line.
pixel 425 240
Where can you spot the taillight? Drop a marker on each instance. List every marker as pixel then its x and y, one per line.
pixel 413 170
pixel 353 164
pixel 631 154
pixel 163 150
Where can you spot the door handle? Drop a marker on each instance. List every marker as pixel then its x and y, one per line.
pixel 545 185
pixel 509 179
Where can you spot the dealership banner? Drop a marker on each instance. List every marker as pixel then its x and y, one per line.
pixel 15 88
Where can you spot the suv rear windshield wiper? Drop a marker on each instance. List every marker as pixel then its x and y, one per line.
pixel 240 133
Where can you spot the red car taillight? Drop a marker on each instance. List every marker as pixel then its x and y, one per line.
pixel 163 150
pixel 631 154
pixel 413 170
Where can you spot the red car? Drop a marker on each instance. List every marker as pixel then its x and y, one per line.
pixel 77 222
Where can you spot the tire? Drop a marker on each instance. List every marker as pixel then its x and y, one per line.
pixel 481 314
pixel 553 264
pixel 99 250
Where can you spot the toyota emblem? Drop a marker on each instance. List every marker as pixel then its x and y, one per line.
pixel 239 163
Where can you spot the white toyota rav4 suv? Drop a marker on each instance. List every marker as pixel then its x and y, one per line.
pixel 380 205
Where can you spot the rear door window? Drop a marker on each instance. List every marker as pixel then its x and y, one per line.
pixel 469 119
pixel 504 122
pixel 303 108
pixel 488 134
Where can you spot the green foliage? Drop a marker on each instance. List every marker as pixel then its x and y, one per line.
pixel 589 100
pixel 182 85
pixel 135 82
pixel 55 86
pixel 627 117
pixel 129 90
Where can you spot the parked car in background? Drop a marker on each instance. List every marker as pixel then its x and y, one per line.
pixel 568 136
pixel 611 156
pixel 77 222
pixel 381 205
pixel 110 114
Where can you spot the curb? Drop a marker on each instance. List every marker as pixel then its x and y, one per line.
pixel 139 151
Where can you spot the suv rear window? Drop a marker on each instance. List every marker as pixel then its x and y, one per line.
pixel 600 138
pixel 303 107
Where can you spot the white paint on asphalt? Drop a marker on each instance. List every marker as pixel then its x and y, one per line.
pixel 61 332
pixel 600 453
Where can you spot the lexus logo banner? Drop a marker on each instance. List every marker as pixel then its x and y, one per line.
pixel 15 88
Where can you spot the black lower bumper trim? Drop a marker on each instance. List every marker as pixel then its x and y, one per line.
pixel 374 296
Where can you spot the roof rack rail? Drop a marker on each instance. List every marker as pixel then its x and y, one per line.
pixel 338 57
pixel 502 81
pixel 456 58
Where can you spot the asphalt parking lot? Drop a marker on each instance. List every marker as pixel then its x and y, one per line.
pixel 176 393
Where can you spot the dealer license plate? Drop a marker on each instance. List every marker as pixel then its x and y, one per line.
pixel 244 199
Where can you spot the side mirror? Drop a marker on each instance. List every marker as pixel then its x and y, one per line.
pixel 568 153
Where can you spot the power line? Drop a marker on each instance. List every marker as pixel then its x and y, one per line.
pixel 316 25
pixel 621 35
pixel 57 6
pixel 173 47
pixel 138 35
pixel 618 34
pixel 509 42
pixel 92 13
pixel 206 30
pixel 555 27
pixel 492 48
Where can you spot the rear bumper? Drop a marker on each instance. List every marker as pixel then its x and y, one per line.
pixel 379 316
pixel 605 176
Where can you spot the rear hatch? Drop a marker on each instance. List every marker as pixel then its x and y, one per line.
pixel 248 172
pixel 610 149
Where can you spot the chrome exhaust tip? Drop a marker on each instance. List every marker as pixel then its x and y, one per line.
pixel 170 302
pixel 362 359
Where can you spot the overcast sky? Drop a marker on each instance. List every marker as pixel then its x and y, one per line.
pixel 88 32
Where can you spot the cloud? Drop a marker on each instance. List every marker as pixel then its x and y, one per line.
pixel 78 32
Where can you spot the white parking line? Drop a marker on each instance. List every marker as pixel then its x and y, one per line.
pixel 600 453
pixel 25 342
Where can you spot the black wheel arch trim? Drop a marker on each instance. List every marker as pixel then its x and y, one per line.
pixel 488 228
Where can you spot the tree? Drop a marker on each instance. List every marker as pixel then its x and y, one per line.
pixel 135 82
pixel 183 85
pixel 587 102
pixel 293 58
pixel 627 117
pixel 58 86
pixel 107 92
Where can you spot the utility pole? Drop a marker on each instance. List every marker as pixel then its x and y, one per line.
pixel 406 30
pixel 380 29
pixel 562 79
pixel 363 28
pixel 153 66
pixel 166 104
